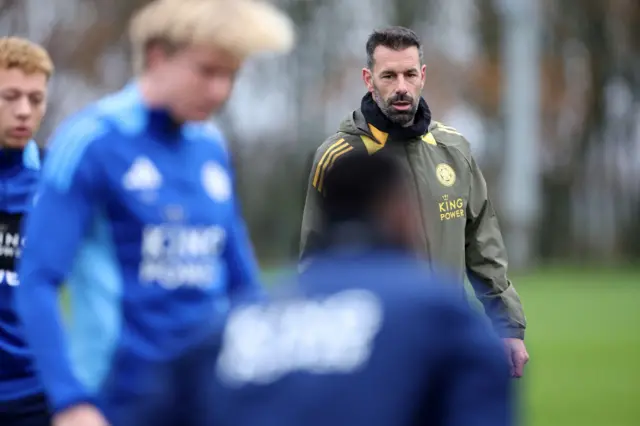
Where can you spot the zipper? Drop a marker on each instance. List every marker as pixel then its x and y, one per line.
pixel 420 203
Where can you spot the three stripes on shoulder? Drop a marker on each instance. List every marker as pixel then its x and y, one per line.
pixel 341 147
pixel 446 129
pixel 335 151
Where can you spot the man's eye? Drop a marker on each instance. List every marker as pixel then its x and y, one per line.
pixel 207 71
pixel 35 100
pixel 10 96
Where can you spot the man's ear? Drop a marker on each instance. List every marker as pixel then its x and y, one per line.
pixel 423 75
pixel 157 53
pixel 154 56
pixel 367 77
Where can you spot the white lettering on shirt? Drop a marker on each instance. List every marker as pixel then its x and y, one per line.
pixel 333 335
pixel 176 256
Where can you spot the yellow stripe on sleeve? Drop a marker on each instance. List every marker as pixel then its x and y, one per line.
pixel 447 129
pixel 323 160
pixel 332 160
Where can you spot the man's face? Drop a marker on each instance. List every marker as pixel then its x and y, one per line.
pixel 198 81
pixel 22 106
pixel 396 82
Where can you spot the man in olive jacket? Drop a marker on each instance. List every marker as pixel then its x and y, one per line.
pixel 459 225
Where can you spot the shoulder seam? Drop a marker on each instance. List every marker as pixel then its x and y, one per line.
pixel 336 137
pixel 68 147
pixel 356 141
pixel 451 131
pixel 447 129
pixel 209 132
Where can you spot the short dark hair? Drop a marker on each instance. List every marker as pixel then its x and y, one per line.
pixel 396 38
pixel 357 184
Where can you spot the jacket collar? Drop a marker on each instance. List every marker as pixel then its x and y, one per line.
pixel 27 157
pixel 370 119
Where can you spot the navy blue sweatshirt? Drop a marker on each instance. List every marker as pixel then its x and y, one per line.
pixel 368 338
pixel 19 174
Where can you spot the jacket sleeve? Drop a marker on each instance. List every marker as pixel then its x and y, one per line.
pixel 332 150
pixel 54 229
pixel 311 229
pixel 311 232
pixel 486 261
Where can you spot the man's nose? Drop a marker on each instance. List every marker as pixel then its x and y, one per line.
pixel 402 89
pixel 23 108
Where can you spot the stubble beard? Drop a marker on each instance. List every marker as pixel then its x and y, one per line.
pixel 401 118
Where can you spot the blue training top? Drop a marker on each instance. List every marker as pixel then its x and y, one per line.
pixel 19 174
pixel 139 215
pixel 367 337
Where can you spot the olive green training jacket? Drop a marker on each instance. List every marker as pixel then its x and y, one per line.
pixel 459 226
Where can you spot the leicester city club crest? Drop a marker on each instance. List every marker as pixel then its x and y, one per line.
pixel 446 175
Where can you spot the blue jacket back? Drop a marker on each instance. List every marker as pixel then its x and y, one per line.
pixel 369 338
pixel 19 174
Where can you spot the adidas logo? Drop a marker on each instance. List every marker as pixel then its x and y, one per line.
pixel 142 176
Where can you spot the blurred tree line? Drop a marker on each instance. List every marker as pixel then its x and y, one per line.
pixel 590 103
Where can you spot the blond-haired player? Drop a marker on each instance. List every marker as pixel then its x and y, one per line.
pixel 25 69
pixel 137 215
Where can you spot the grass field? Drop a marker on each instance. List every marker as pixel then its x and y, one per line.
pixel 584 342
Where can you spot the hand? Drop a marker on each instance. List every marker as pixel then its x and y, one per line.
pixel 80 415
pixel 516 355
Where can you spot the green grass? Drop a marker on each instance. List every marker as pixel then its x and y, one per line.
pixel 584 342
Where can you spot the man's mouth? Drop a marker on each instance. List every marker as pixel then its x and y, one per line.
pixel 401 106
pixel 20 132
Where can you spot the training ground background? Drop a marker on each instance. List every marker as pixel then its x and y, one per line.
pixel 584 342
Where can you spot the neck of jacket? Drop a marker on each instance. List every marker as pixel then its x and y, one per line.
pixel 374 116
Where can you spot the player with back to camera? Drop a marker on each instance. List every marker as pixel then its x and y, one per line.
pixel 367 334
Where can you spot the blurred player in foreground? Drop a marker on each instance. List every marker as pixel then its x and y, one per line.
pixel 25 69
pixel 370 336
pixel 137 214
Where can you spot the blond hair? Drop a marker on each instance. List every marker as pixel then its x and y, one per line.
pixel 242 27
pixel 29 57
